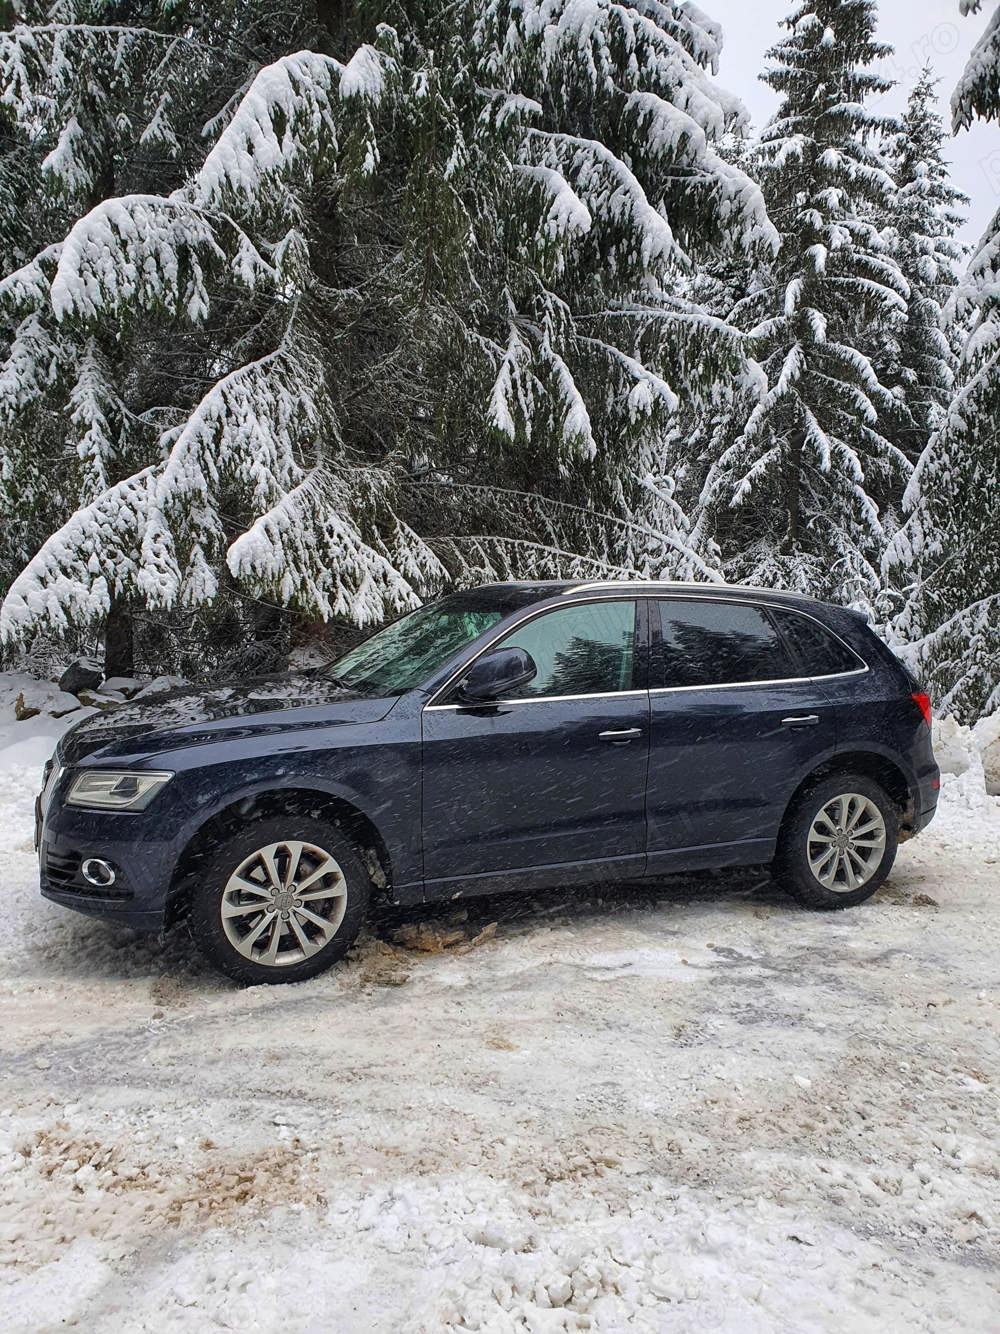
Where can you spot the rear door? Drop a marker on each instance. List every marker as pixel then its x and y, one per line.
pixel 553 777
pixel 734 727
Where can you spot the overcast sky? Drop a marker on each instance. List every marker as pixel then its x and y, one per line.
pixel 920 30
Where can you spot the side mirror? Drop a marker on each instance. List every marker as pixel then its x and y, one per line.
pixel 496 675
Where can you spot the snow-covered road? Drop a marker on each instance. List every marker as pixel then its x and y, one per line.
pixel 693 1108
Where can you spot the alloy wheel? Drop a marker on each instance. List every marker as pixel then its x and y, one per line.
pixel 284 903
pixel 846 842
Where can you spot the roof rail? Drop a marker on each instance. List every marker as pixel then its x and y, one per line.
pixel 704 585
pixel 650 583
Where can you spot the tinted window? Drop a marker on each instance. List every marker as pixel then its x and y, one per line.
pixel 587 649
pixel 819 652
pixel 718 643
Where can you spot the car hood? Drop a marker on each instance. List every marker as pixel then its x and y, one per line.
pixel 189 714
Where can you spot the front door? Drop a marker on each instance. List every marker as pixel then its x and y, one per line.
pixel 550 784
pixel 734 728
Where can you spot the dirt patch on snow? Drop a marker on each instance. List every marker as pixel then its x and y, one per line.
pixel 123 1193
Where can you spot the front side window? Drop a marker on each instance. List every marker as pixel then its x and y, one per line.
pixel 406 653
pixel 588 649
pixel 718 643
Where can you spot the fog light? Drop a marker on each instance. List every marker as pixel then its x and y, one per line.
pixel 98 872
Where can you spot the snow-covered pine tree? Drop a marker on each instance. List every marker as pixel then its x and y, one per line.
pixel 928 213
pixel 311 257
pixel 810 466
pixel 678 460
pixel 947 554
pixel 29 500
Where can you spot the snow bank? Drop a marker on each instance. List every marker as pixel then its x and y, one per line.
pixel 959 749
pixel 41 696
pixel 954 747
pixel 986 738
pixel 27 745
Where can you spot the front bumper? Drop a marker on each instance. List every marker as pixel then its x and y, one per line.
pixel 125 914
pixel 143 864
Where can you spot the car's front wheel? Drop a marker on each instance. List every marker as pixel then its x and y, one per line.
pixel 838 842
pixel 280 901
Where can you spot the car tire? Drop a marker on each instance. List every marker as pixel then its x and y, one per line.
pixel 253 919
pixel 841 829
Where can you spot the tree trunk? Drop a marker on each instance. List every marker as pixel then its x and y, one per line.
pixel 271 638
pixel 119 653
pixel 793 477
pixel 331 20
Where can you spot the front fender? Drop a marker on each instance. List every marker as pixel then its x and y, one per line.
pixel 373 768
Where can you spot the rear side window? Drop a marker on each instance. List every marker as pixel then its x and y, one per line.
pixel 819 652
pixel 718 643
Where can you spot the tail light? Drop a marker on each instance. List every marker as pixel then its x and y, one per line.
pixel 923 702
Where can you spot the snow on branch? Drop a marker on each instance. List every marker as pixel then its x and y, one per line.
pixel 97 415
pixel 976 91
pixel 672 133
pixel 567 215
pixel 61 78
pixel 649 388
pixel 27 288
pixel 512 398
pixel 576 429
pixel 667 48
pixel 610 191
pixel 484 557
pixel 32 367
pixel 249 430
pixel 285 123
pixel 149 252
pixel 284 116
pixel 310 553
pixel 116 545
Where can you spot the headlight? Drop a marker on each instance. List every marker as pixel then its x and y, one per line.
pixel 116 789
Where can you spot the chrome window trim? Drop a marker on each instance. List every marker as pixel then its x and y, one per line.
pixel 746 685
pixel 663 594
pixel 543 699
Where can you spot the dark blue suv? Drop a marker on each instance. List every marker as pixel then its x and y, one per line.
pixel 509 737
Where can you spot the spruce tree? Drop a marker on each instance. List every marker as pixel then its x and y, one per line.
pixel 811 471
pixel 315 273
pixel 928 212
pixel 950 543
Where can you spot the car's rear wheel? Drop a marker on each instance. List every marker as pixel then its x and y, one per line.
pixel 280 901
pixel 838 842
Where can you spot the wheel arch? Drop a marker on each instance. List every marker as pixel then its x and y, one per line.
pixel 870 764
pixel 358 827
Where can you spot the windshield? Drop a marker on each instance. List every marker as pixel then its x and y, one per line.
pixel 405 653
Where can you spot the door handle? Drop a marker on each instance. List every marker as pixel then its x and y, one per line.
pixel 810 720
pixel 621 738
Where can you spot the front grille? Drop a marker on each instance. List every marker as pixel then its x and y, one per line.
pixel 61 868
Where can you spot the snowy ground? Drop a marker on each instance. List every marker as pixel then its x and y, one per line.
pixel 693 1108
